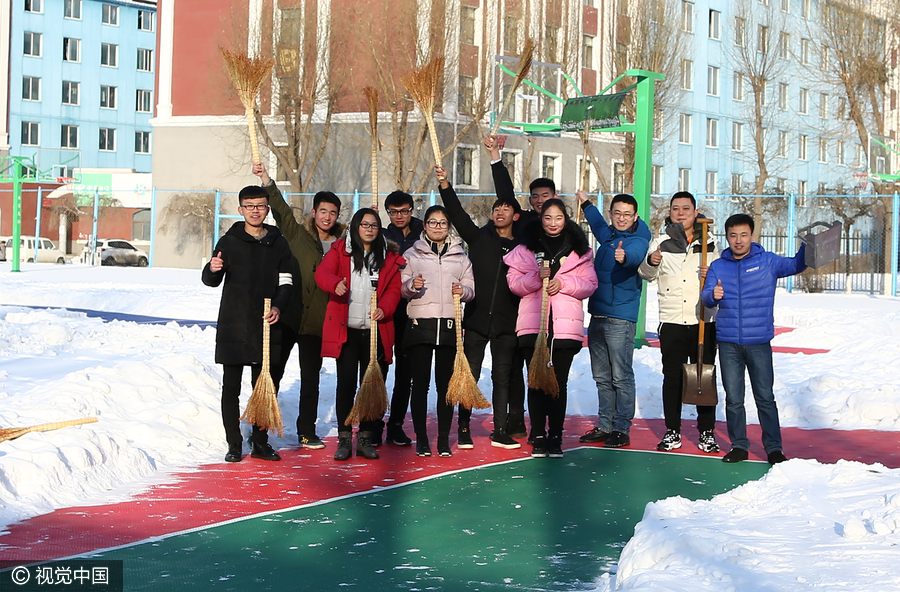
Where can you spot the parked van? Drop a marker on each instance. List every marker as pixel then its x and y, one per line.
pixel 46 253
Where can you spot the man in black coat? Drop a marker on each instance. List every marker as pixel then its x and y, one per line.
pixel 254 260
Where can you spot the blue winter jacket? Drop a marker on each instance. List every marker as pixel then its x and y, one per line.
pixel 746 314
pixel 619 292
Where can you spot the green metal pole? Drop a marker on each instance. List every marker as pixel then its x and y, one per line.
pixel 17 213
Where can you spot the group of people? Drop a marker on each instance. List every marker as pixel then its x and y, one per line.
pixel 322 279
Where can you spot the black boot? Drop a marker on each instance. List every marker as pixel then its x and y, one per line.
pixel 422 447
pixel 444 445
pixel 234 453
pixel 396 435
pixel 515 425
pixel 364 446
pixel 344 449
pixel 263 451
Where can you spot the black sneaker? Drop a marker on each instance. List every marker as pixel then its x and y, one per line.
pixel 376 436
pixel 595 436
pixel 515 425
pixel 364 447
pixel 263 451
pixel 708 442
pixel 501 439
pixel 617 440
pixel 736 455
pixel 465 439
pixel 776 457
pixel 312 442
pixel 444 445
pixel 422 447
pixel 671 441
pixel 396 436
pixel 539 448
pixel 234 453
pixel 554 447
pixel 344 447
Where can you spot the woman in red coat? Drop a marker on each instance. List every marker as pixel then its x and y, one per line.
pixel 353 267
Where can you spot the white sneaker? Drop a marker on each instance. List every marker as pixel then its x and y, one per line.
pixel 671 441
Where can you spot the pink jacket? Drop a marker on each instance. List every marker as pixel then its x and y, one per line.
pixel 578 279
pixel 435 299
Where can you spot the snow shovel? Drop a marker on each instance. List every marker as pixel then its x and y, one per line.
pixel 699 380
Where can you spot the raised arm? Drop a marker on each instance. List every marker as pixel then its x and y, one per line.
pixel 281 210
pixel 460 219
pixel 595 220
pixel 786 266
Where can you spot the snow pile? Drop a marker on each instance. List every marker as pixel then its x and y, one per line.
pixel 803 526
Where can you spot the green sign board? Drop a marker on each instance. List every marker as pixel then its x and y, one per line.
pixel 601 110
pixel 90 182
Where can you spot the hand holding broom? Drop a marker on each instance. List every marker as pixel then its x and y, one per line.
pixel 247 75
pixel 262 408
pixel 371 400
pixel 541 374
pixel 463 388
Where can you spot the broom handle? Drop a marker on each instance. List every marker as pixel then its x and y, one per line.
pixel 46 427
pixel 544 300
pixel 702 329
pixel 267 306
pixel 373 328
pixel 457 308
pixel 251 125
pixel 512 92
pixel 582 182
pixel 435 147
pixel 374 168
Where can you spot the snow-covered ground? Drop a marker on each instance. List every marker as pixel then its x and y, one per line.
pixel 155 390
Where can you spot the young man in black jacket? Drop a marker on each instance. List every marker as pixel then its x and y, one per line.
pixel 255 261
pixel 491 316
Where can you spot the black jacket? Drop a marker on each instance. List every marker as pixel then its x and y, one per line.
pixel 405 241
pixel 254 270
pixel 495 308
pixel 504 188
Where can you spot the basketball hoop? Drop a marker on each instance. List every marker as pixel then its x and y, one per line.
pixel 862 180
pixel 501 140
pixel 65 180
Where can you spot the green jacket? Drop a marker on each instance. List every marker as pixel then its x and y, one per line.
pixel 306 311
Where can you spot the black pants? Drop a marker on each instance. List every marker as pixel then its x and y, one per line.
pixel 231 407
pixel 506 372
pixel 678 344
pixel 402 371
pixel 420 360
pixel 351 365
pixel 309 350
pixel 544 408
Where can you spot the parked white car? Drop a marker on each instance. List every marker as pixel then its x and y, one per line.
pixel 46 253
pixel 117 251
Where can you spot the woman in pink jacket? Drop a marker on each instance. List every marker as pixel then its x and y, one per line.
pixel 553 238
pixel 436 269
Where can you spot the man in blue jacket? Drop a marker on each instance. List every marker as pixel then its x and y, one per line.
pixel 614 309
pixel 742 284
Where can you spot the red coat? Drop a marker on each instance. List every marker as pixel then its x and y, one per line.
pixel 336 266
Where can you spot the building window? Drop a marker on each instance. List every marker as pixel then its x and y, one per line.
pixel 142 142
pixel 804 52
pixel 657 124
pixel 805 9
pixel 31 88
pixel 687 16
pixel 551 43
pixel 140 225
pixel 70 92
pixel 145 60
pixel 71 49
pixel 842 109
pixel 684 128
pixel 109 55
pixel 467 25
pixel 784 45
pixel 68 136
pixel 782 143
pixel 144 101
pixel 825 57
pixel 684 179
pixel 509 161
pixel 587 52
pixel 783 96
pixel 801 197
pixel 466 94
pixel 762 44
pixel 107 139
pixel 145 20
pixel 108 97
pixel 780 185
pixel 31 133
pixel 763 92
pixel 737 136
pixel 740 28
pixel 549 166
pixel 786 5
pixel 655 179
pixel 618 177
pixel 737 183
pixel 804 145
pixel 823 106
pixel 687 75
pixel 712 180
pixel 804 101
pixel 110 15
pixel 712 133
pixel 465 158
pixel 72 9
pixel 840 152
pixel 712 81
pixel 32 5
pixel 738 90
pixel 510 33
pixel 32 44
pixel 714 19
pixel 823 150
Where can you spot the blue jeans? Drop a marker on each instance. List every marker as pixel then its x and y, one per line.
pixel 757 359
pixel 611 343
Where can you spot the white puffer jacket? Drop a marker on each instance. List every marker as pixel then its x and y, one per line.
pixel 435 299
pixel 678 279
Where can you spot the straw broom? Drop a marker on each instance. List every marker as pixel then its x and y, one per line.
pixel 13 433
pixel 541 374
pixel 247 75
pixel 525 59
pixel 463 388
pixel 262 408
pixel 423 85
pixel 371 400
pixel 584 162
pixel 372 99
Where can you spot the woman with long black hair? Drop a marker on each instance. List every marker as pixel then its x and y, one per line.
pixel 355 266
pixel 556 240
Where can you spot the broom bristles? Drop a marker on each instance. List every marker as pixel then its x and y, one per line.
pixel 541 374
pixel 372 101
pixel 247 74
pixel 262 408
pixel 525 59
pixel 463 388
pixel 371 400
pixel 423 84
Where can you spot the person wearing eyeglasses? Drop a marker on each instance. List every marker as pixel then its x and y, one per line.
pixel 404 229
pixel 355 266
pixel 254 261
pixel 436 269
pixel 305 315
pixel 614 309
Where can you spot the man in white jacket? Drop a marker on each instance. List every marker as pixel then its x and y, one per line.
pixel 674 261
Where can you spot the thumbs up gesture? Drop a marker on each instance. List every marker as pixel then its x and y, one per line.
pixel 656 256
pixel 718 291
pixel 216 264
pixel 418 282
pixel 620 253
pixel 341 287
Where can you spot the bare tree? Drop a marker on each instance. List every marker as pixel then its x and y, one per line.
pixel 187 216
